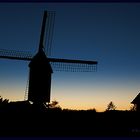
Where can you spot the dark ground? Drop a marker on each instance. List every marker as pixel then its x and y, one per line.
pixel 56 122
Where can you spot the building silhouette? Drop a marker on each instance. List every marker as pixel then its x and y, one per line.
pixel 136 102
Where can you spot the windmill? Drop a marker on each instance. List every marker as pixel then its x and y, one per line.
pixel 41 66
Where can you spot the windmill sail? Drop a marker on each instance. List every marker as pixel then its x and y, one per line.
pixel 68 65
pixel 47 31
pixel 14 54
pixel 73 65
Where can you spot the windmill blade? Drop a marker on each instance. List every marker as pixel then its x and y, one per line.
pixel 43 27
pixel 49 32
pixel 70 65
pixel 17 55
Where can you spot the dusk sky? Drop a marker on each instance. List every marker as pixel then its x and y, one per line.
pixel 106 32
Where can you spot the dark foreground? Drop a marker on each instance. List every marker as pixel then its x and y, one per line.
pixel 57 122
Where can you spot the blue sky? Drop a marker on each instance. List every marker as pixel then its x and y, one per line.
pixel 106 32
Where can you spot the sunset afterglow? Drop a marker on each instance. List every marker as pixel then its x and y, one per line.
pixel 106 32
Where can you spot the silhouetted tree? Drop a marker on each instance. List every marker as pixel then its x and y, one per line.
pixel 3 101
pixel 54 104
pixel 111 106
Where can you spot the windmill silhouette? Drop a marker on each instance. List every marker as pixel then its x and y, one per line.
pixel 41 66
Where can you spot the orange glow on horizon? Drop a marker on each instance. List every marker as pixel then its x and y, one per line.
pixel 80 98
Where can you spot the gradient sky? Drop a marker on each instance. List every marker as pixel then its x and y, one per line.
pixel 106 32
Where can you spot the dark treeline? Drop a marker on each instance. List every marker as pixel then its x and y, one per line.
pixel 25 119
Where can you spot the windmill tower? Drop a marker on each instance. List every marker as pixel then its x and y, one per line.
pixel 41 66
pixel 40 73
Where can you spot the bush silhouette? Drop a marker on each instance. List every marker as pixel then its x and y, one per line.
pixel 3 101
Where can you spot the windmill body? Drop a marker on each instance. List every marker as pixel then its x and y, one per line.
pixel 39 78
